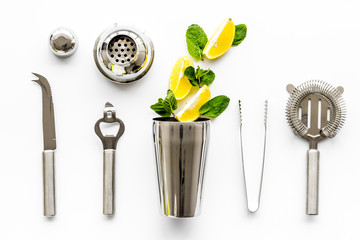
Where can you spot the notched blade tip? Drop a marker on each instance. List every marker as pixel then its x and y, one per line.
pixel 38 76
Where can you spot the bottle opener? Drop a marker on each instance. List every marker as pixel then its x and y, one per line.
pixel 109 143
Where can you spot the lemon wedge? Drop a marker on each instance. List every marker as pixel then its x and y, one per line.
pixel 221 41
pixel 191 110
pixel 178 82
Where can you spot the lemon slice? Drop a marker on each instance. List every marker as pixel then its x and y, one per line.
pixel 191 110
pixel 178 82
pixel 221 41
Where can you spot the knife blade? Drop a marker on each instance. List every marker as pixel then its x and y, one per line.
pixel 49 146
pixel 48 113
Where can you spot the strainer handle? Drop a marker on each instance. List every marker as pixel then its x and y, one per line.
pixel 312 182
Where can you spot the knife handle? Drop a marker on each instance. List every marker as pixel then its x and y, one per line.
pixel 49 183
pixel 109 185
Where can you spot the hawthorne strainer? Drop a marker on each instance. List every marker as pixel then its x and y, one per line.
pixel 123 54
pixel 315 111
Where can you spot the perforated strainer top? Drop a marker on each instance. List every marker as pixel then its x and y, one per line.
pixel 123 54
pixel 122 49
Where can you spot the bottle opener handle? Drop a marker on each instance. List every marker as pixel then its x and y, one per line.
pixel 109 182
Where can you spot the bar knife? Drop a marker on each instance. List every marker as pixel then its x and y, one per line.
pixel 49 146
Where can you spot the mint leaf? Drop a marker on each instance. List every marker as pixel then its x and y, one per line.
pixel 215 106
pixel 190 74
pixel 194 50
pixel 165 107
pixel 170 100
pixel 207 78
pixel 160 109
pixel 240 34
pixel 196 40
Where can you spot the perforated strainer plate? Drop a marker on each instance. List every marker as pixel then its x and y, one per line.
pixel 123 54
pixel 122 49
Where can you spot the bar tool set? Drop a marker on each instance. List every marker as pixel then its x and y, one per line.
pixel 109 143
pixel 315 111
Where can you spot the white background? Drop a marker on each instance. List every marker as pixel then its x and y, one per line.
pixel 287 42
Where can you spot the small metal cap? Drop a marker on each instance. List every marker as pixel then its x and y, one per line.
pixel 123 54
pixel 63 42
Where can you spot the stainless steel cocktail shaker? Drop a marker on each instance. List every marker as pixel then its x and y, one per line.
pixel 180 149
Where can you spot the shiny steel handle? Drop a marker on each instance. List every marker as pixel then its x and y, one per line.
pixel 109 169
pixel 312 182
pixel 49 183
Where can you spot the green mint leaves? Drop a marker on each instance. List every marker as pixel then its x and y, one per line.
pixel 215 106
pixel 165 107
pixel 161 108
pixel 190 74
pixel 200 77
pixel 240 34
pixel 196 40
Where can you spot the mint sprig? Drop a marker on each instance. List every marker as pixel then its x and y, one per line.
pixel 215 106
pixel 196 40
pixel 200 77
pixel 240 34
pixel 165 107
